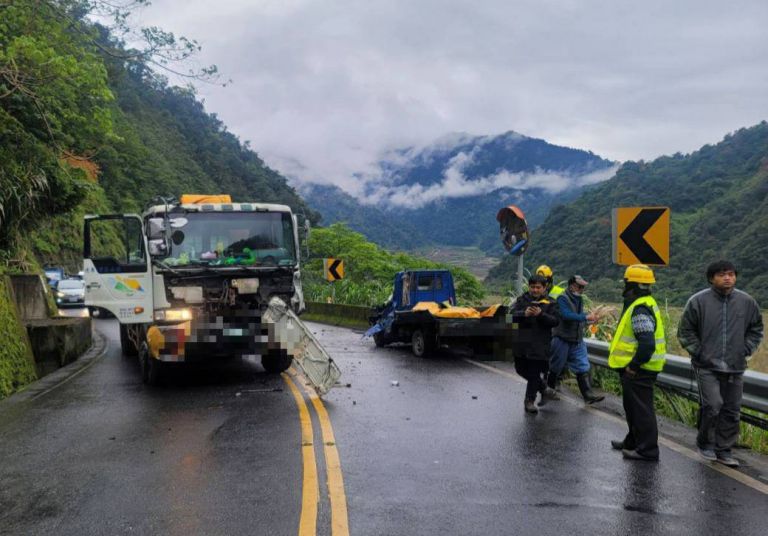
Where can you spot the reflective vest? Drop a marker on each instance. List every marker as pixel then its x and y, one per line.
pixel 624 343
pixel 556 291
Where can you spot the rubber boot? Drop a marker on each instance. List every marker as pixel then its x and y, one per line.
pixel 551 380
pixel 549 392
pixel 586 390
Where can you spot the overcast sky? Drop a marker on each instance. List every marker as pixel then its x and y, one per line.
pixel 322 87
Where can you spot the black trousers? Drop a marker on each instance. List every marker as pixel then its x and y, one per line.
pixel 535 371
pixel 637 396
pixel 719 416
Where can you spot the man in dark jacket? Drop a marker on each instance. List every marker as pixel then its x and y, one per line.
pixel 537 316
pixel 568 346
pixel 721 328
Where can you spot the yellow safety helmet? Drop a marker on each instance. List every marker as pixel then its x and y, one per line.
pixel 639 273
pixel 544 271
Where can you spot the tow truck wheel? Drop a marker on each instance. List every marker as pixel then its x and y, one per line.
pixel 150 367
pixel 379 339
pixel 276 361
pixel 126 344
pixel 422 343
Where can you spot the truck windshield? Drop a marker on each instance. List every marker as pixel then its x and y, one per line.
pixel 232 239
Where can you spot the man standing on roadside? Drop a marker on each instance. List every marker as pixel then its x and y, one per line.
pixel 568 346
pixel 637 353
pixel 721 328
pixel 538 315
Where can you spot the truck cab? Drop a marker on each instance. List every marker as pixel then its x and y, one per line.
pixel 416 286
pixel 190 280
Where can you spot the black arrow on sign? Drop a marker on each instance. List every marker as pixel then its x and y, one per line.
pixel 633 235
pixel 332 269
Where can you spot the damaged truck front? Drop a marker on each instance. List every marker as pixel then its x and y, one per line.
pixel 204 279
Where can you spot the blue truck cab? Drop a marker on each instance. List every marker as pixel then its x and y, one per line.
pixel 417 286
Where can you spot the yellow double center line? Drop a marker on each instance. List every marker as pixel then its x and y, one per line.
pixel 310 492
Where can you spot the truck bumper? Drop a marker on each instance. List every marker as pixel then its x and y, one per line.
pixel 197 341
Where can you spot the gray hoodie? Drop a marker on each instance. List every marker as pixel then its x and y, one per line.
pixel 721 331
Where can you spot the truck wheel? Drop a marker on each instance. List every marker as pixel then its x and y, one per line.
pixel 380 339
pixel 126 344
pixel 276 361
pixel 150 367
pixel 422 343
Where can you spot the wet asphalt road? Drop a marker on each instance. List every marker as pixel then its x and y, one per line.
pixel 447 450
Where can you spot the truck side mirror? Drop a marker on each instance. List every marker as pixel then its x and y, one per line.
pixel 157 238
pixel 155 228
pixel 306 230
pixel 158 247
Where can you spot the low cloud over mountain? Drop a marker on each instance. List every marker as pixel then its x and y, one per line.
pixel 448 192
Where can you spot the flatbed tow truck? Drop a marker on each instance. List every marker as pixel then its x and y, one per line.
pixel 204 279
pixel 422 311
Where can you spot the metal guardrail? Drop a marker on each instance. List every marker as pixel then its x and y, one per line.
pixel 678 376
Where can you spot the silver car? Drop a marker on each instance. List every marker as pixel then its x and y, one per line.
pixel 70 292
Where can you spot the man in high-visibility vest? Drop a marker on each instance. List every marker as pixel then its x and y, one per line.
pixel 637 353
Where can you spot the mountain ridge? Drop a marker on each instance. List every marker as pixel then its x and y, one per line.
pixel 423 189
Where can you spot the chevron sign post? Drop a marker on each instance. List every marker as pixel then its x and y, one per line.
pixel 333 269
pixel 641 235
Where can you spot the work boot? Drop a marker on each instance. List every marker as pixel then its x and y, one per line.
pixel 547 395
pixel 590 397
pixel 530 407
pixel 727 459
pixel 551 380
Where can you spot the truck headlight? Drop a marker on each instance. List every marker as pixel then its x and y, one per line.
pixel 173 315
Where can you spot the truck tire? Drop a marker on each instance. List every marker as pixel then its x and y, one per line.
pixel 276 361
pixel 423 343
pixel 126 344
pixel 151 368
pixel 380 339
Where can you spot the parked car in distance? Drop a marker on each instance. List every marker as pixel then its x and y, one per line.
pixel 70 292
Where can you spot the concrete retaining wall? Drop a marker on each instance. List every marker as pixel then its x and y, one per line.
pixel 56 341
pixel 30 294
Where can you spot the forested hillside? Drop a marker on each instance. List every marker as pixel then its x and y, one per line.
pixel 719 201
pixel 87 126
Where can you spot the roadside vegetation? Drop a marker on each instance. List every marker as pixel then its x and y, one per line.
pixel 369 270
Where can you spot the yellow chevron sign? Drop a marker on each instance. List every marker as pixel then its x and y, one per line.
pixel 333 269
pixel 641 235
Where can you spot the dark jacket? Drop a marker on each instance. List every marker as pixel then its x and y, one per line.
pixel 572 317
pixel 720 331
pixel 536 330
